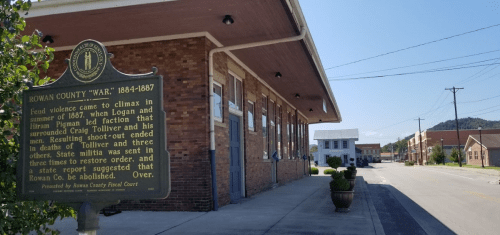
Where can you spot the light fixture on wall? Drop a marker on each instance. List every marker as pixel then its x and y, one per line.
pixel 228 20
pixel 278 75
pixel 48 39
pixel 297 95
pixel 319 120
pixel 310 110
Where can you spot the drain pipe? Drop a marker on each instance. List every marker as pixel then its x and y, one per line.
pixel 211 98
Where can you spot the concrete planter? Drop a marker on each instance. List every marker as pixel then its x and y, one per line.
pixel 342 200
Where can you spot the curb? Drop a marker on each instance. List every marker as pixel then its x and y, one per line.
pixel 377 225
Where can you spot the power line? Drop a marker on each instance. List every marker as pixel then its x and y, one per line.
pixel 432 62
pixel 410 119
pixel 475 101
pixel 488 78
pixel 413 46
pixel 468 78
pixel 486 112
pixel 462 114
pixel 410 73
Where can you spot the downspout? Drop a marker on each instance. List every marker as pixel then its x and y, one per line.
pixel 211 97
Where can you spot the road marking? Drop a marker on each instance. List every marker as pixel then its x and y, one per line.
pixel 484 196
pixel 447 173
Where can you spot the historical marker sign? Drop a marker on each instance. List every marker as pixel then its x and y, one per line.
pixel 94 134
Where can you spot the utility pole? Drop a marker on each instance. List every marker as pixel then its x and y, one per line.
pixel 454 90
pixel 392 153
pixel 399 149
pixel 419 139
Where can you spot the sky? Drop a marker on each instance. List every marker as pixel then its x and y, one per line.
pixel 385 108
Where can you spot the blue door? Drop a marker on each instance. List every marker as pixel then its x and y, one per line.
pixel 235 161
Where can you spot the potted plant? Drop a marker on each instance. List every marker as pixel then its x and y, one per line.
pixel 341 195
pixel 350 176
pixel 334 162
pixel 353 169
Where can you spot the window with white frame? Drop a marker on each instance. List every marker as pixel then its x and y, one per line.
pixel 251 117
pixel 324 105
pixel 235 93
pixel 217 102
pixel 278 131
pixel 327 144
pixel 294 138
pixel 335 144
pixel 289 134
pixel 264 127
pixel 344 144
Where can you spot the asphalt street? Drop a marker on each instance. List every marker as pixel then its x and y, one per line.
pixel 440 200
pixel 389 198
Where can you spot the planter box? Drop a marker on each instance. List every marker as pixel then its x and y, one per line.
pixel 342 200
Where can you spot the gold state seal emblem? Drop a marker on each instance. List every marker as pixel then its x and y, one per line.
pixel 87 61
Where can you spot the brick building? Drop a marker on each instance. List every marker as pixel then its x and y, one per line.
pixel 431 138
pixel 389 156
pixel 264 96
pixel 490 149
pixel 369 152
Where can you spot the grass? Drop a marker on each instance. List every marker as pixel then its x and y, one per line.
pixel 469 166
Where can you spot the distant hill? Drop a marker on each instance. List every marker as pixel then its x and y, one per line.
pixel 464 124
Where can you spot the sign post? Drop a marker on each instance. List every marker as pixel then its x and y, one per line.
pixel 94 137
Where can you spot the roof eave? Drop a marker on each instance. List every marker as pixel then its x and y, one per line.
pixel 299 16
pixel 53 7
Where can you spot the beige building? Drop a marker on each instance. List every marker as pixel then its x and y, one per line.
pixel 490 150
pixel 369 152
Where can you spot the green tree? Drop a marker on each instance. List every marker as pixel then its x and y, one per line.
pixel 454 155
pixel 313 149
pixel 437 154
pixel 334 162
pixel 20 64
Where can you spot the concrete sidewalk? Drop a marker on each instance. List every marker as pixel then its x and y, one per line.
pixel 300 207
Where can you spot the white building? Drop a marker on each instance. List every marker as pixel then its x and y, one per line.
pixel 336 143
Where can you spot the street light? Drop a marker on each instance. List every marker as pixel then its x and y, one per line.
pixel 481 143
pixel 442 150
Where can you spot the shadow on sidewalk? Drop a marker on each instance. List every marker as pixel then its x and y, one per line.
pixel 401 215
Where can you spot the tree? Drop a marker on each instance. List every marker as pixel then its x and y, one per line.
pixel 19 65
pixel 313 149
pixel 454 155
pixel 437 154
pixel 334 162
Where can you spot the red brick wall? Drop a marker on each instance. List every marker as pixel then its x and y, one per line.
pixel 183 65
pixel 258 176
